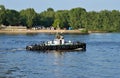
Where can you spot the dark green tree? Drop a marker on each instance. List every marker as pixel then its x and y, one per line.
pixel 12 17
pixel 47 17
pixel 28 17
pixel 63 17
pixel 115 18
pixel 2 7
pixel 76 18
pixel 92 20
pixel 2 14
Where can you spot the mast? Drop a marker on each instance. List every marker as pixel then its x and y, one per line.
pixel 57 34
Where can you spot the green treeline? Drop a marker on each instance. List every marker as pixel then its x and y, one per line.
pixel 75 18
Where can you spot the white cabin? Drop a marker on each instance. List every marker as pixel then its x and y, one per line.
pixel 59 40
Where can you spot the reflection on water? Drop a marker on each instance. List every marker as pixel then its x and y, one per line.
pixel 2 61
pixel 100 60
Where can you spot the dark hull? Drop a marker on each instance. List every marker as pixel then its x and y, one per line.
pixel 81 46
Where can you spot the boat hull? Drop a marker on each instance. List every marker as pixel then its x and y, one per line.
pixel 81 46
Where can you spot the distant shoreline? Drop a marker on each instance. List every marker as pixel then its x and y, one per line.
pixel 41 31
pixel 24 30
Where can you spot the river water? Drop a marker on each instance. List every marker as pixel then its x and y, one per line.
pixel 100 60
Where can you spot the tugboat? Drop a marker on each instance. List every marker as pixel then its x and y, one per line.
pixel 57 44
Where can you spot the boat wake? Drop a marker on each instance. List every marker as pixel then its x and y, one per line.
pixel 12 50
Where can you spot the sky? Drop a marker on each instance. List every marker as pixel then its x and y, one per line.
pixel 42 5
